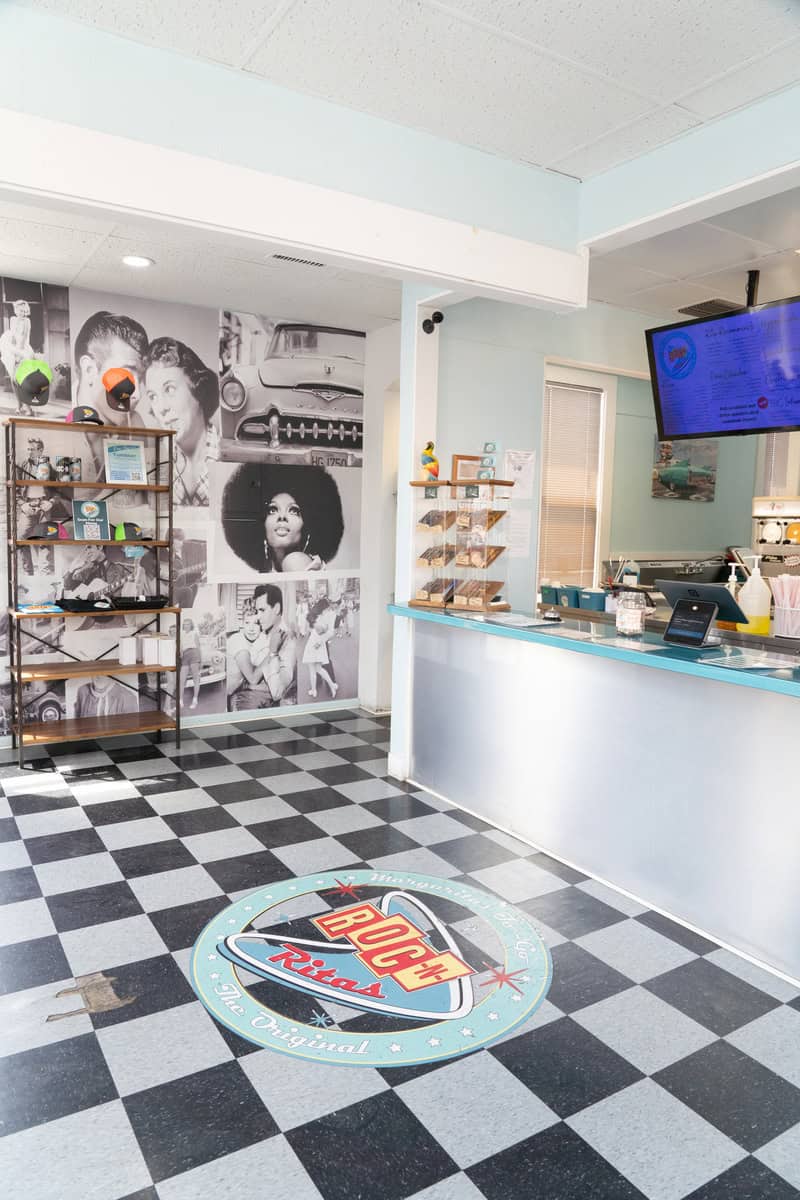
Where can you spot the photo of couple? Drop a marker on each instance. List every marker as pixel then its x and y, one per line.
pixel 175 388
pixel 262 652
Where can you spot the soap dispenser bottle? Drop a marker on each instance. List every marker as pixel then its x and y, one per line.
pixel 732 586
pixel 755 600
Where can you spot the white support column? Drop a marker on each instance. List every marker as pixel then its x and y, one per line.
pixel 419 370
pixel 378 515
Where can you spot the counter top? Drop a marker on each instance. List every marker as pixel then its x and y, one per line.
pixel 598 638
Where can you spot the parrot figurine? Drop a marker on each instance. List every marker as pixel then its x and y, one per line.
pixel 430 463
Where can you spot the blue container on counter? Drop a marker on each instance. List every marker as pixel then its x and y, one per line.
pixel 549 595
pixel 568 597
pixel 593 600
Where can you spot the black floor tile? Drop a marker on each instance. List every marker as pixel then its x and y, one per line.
pixel 127 754
pixel 357 754
pixel 714 997
pixel 248 871
pixel 569 874
pixel 748 1180
pixel 572 912
pixel 293 746
pixel 201 760
pixel 267 767
pixel 344 773
pixel 105 773
pixel 25 803
pixel 156 785
pixel 8 830
pixel 231 741
pixel 580 979
pixel 31 964
pixel 392 1154
pixel 59 750
pixel 292 1005
pixel 745 1100
pixel 93 906
pixel 118 810
pixel 317 800
pixel 238 1046
pixel 53 1081
pixel 18 884
pixel 285 831
pixel 473 852
pixel 149 1193
pixel 152 858
pixel 57 846
pixel 181 925
pixel 377 842
pixel 321 729
pixel 554 1165
pixel 200 820
pixel 566 1066
pixel 241 789
pixel 193 1120
pixel 677 933
pixel 468 819
pixel 397 808
pixel 153 984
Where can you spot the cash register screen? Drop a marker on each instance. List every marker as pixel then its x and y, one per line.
pixel 690 622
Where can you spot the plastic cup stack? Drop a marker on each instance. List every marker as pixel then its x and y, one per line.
pixel 786 592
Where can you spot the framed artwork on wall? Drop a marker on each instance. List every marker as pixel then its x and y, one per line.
pixel 465 466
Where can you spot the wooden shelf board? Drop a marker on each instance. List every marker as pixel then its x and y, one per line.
pixel 97 484
pixel 75 728
pixel 84 670
pixel 16 615
pixel 87 542
pixel 82 427
pixel 430 483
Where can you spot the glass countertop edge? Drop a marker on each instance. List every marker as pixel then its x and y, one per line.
pixel 665 660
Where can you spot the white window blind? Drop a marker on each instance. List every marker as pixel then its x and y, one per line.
pixel 573 422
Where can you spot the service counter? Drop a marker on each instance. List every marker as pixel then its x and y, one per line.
pixel 674 775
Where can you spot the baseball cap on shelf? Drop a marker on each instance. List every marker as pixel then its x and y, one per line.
pixel 120 386
pixel 83 415
pixel 32 380
pixel 50 531
pixel 129 531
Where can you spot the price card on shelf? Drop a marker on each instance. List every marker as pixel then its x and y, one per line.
pixel 125 461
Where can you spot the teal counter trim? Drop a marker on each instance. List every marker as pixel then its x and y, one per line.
pixel 663 658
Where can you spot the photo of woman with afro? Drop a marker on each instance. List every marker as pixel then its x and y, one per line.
pixel 279 518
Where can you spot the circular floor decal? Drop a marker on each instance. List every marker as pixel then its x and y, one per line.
pixel 370 968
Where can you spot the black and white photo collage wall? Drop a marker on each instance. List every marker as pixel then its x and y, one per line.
pixel 268 420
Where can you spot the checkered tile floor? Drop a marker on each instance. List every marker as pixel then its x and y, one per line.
pixel 659 1066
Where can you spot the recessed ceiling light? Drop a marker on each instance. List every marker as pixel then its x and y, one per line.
pixel 138 261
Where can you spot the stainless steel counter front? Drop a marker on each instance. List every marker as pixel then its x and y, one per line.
pixel 667 783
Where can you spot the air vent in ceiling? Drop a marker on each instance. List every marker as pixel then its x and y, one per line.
pixel 303 262
pixel 710 308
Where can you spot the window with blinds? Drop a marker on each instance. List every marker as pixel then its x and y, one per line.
pixel 571 450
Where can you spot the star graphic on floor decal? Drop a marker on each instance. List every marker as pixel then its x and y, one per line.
pixel 347 889
pixel 432 1041
pixel 467 1032
pixel 321 1019
pixel 395 1048
pixel 501 976
pixel 494 1016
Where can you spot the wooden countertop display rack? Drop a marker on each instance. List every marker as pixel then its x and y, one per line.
pixel 26 675
pixel 461 541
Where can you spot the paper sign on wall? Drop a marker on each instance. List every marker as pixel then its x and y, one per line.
pixel 520 466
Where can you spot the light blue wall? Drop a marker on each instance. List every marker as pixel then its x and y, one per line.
pixel 99 81
pixel 491 386
pixel 640 522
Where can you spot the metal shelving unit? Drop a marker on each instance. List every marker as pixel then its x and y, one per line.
pixel 34 733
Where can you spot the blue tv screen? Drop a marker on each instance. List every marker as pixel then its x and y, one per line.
pixel 735 374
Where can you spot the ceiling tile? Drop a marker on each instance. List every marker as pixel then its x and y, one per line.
pixel 661 47
pixel 637 138
pixel 779 69
pixel 693 250
pixel 779 277
pixel 420 66
pixel 43 243
pixel 222 32
pixel 16 266
pixel 774 221
pixel 62 215
pixel 668 296
pixel 610 279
